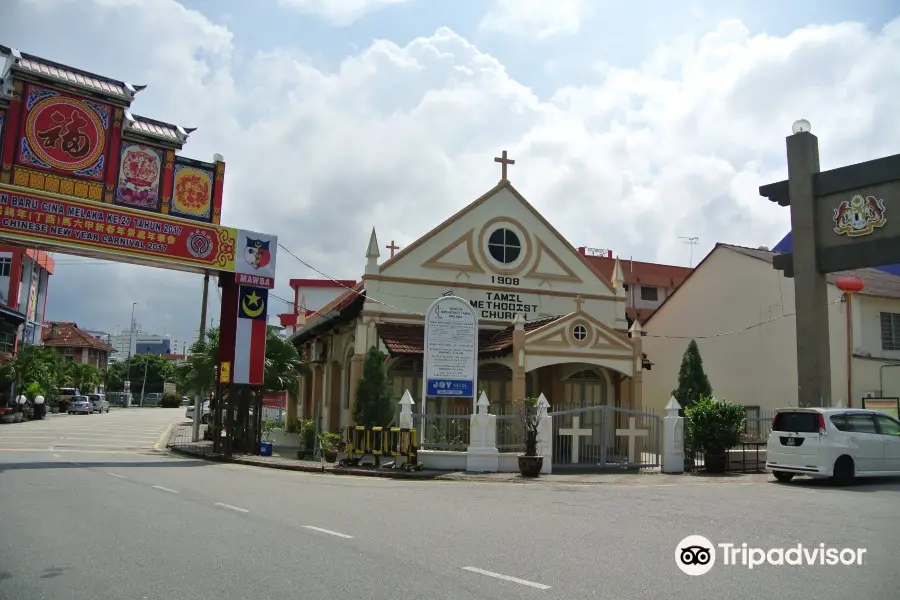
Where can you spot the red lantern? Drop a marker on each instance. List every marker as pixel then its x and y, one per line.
pixel 850 283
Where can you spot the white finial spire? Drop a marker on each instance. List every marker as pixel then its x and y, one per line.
pixel 372 250
pixel 372 255
pixel 618 279
pixel 518 322
pixel 636 328
pixel 483 404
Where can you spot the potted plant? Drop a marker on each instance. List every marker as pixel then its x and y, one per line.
pixel 329 442
pixel 266 445
pixel 715 428
pixel 307 430
pixel 530 463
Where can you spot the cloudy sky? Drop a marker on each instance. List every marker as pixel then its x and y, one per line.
pixel 632 123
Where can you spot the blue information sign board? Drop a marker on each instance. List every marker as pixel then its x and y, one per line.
pixel 449 387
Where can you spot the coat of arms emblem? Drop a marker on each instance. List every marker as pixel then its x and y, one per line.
pixel 859 216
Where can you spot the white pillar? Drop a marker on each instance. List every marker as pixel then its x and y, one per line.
pixel 406 415
pixel 673 439
pixel 482 455
pixel 545 435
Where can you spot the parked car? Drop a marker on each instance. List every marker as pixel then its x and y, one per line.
pixel 204 413
pixel 99 403
pixel 80 404
pixel 836 443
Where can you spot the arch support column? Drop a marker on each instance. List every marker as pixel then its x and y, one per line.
pixel 518 363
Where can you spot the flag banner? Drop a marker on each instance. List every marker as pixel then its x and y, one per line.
pixel 250 339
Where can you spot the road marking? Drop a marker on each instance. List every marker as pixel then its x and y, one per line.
pixel 116 475
pixel 57 456
pixel 230 507
pixel 165 489
pixel 539 586
pixel 329 532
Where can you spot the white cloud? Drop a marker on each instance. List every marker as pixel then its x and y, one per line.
pixel 400 137
pixel 538 18
pixel 339 12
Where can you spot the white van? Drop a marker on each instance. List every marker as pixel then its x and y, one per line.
pixel 838 443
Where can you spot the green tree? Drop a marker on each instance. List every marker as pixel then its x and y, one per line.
pixel 373 407
pixel 199 373
pixel 283 364
pixel 159 371
pixel 83 377
pixel 36 364
pixel 692 381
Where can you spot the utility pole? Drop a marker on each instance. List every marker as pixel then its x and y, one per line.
pixel 198 398
pixel 127 382
pixel 144 384
pixel 691 241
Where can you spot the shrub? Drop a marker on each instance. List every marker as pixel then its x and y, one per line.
pixel 373 407
pixel 292 425
pixel 330 440
pixel 715 426
pixel 170 400
pixel 308 434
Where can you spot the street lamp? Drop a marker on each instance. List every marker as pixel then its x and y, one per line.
pixel 127 383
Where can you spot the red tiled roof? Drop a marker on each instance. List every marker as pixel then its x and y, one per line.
pixel 322 283
pixel 641 314
pixel 68 335
pixel 642 273
pixel 403 339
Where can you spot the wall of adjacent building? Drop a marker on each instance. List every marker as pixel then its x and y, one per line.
pixel 732 292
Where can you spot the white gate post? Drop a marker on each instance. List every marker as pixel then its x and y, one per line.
pixel 545 435
pixel 673 439
pixel 406 415
pixel 482 455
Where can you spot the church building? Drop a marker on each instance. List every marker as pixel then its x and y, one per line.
pixel 549 321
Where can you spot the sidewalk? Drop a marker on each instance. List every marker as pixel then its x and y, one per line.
pixel 180 442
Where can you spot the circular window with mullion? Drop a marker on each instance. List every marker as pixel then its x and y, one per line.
pixel 504 246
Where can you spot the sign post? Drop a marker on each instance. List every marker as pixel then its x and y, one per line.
pixel 450 368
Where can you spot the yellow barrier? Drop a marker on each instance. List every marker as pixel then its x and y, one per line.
pixel 382 441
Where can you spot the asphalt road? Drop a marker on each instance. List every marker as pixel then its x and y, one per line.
pixel 84 526
pixel 132 429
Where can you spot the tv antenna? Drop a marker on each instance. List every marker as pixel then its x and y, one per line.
pixel 691 241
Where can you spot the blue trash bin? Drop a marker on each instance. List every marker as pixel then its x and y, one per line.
pixel 265 448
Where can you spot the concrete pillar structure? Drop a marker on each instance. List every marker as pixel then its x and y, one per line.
pixel 811 288
pixel 673 439
pixel 518 363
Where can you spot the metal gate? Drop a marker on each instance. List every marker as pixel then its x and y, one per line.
pixel 604 437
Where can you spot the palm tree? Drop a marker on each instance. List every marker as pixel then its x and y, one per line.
pixel 284 366
pixel 83 377
pixel 200 371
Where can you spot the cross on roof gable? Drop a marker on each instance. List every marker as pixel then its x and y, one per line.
pixel 502 185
